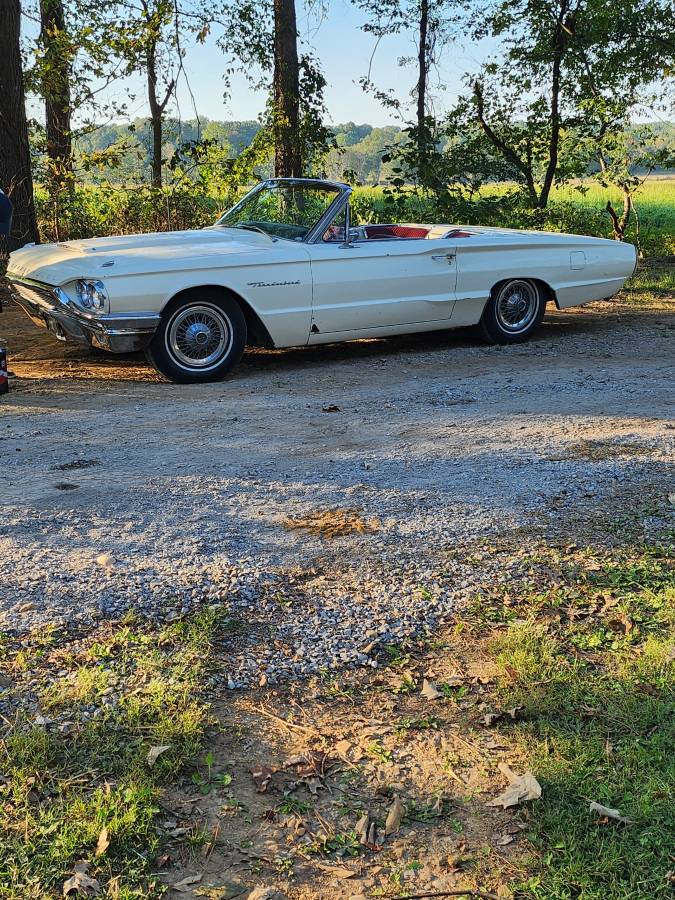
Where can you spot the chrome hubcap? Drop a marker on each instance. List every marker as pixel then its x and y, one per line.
pixel 516 306
pixel 199 336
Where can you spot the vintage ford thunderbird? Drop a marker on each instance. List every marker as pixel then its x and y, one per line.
pixel 288 265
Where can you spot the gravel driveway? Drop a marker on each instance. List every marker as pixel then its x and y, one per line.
pixel 120 492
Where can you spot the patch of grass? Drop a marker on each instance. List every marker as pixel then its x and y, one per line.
pixel 87 770
pixel 597 451
pixel 599 724
pixel 649 281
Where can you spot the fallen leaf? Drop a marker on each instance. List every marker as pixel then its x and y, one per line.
pixel 262 776
pixel 83 884
pixel 186 883
pixel 515 827
pixel 394 816
pixel 609 813
pixel 155 752
pixel 430 690
pixel 489 718
pixel 312 764
pixel 361 829
pixel 521 789
pixel 103 842
pixel 343 747
pixel 505 839
pixel 263 893
pixel 437 808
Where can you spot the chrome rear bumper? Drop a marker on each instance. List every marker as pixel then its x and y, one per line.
pixel 50 308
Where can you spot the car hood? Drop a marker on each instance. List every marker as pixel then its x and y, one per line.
pixel 107 257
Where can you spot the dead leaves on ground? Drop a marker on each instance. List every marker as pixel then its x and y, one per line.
pixel 521 788
pixel 394 816
pixel 103 842
pixel 606 813
pixel 262 777
pixel 155 752
pixel 430 691
pixel 600 450
pixel 311 770
pixel 332 523
pixel 80 884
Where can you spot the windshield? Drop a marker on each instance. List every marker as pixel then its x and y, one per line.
pixel 285 210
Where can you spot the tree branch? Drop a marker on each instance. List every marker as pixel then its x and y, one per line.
pixel 508 152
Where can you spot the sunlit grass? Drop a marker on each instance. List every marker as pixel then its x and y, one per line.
pixel 86 768
pixel 592 668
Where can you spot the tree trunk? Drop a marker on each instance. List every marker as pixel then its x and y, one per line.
pixel 423 70
pixel 56 89
pixel 287 146
pixel 620 223
pixel 15 170
pixel 562 29
pixel 156 111
pixel 524 166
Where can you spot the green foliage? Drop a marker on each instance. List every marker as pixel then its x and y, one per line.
pixel 131 690
pixel 598 723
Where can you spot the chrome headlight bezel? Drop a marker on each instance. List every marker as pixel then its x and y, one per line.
pixel 92 295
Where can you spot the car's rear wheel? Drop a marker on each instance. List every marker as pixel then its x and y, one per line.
pixel 514 310
pixel 201 337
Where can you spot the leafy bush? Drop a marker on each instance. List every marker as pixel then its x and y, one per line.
pixel 98 210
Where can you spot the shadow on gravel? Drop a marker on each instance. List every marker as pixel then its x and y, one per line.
pixel 39 356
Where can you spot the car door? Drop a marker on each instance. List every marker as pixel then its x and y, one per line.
pixel 380 284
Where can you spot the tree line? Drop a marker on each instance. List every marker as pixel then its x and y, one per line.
pixel 558 97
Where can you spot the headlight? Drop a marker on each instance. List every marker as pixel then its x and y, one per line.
pixel 92 295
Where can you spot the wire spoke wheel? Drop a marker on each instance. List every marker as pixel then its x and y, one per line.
pixel 516 306
pixel 199 336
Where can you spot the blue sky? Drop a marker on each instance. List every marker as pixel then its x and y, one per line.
pixel 343 50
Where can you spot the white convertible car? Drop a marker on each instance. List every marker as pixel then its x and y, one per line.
pixel 288 265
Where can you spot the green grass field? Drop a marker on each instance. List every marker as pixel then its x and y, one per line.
pixel 577 208
pixel 107 209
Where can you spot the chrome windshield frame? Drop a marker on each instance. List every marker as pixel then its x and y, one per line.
pixel 318 229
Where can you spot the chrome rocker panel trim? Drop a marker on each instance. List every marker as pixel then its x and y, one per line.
pixel 49 307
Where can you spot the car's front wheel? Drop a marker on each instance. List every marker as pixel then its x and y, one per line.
pixel 513 311
pixel 201 337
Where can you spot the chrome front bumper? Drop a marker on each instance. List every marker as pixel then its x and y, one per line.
pixel 51 308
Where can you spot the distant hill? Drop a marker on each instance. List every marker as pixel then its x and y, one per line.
pixel 360 146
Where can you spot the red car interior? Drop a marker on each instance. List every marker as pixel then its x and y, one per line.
pixel 377 232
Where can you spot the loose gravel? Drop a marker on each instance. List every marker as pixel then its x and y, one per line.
pixel 135 495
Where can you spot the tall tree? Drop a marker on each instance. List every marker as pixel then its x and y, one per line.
pixel 56 53
pixel 148 38
pixel 15 168
pixel 286 92
pixel 569 72
pixel 431 24
pixel 261 37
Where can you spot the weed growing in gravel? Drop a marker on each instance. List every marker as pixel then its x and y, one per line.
pixel 85 775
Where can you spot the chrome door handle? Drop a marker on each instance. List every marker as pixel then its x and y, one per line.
pixel 448 256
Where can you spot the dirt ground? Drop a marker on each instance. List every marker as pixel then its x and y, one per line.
pixel 445 444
